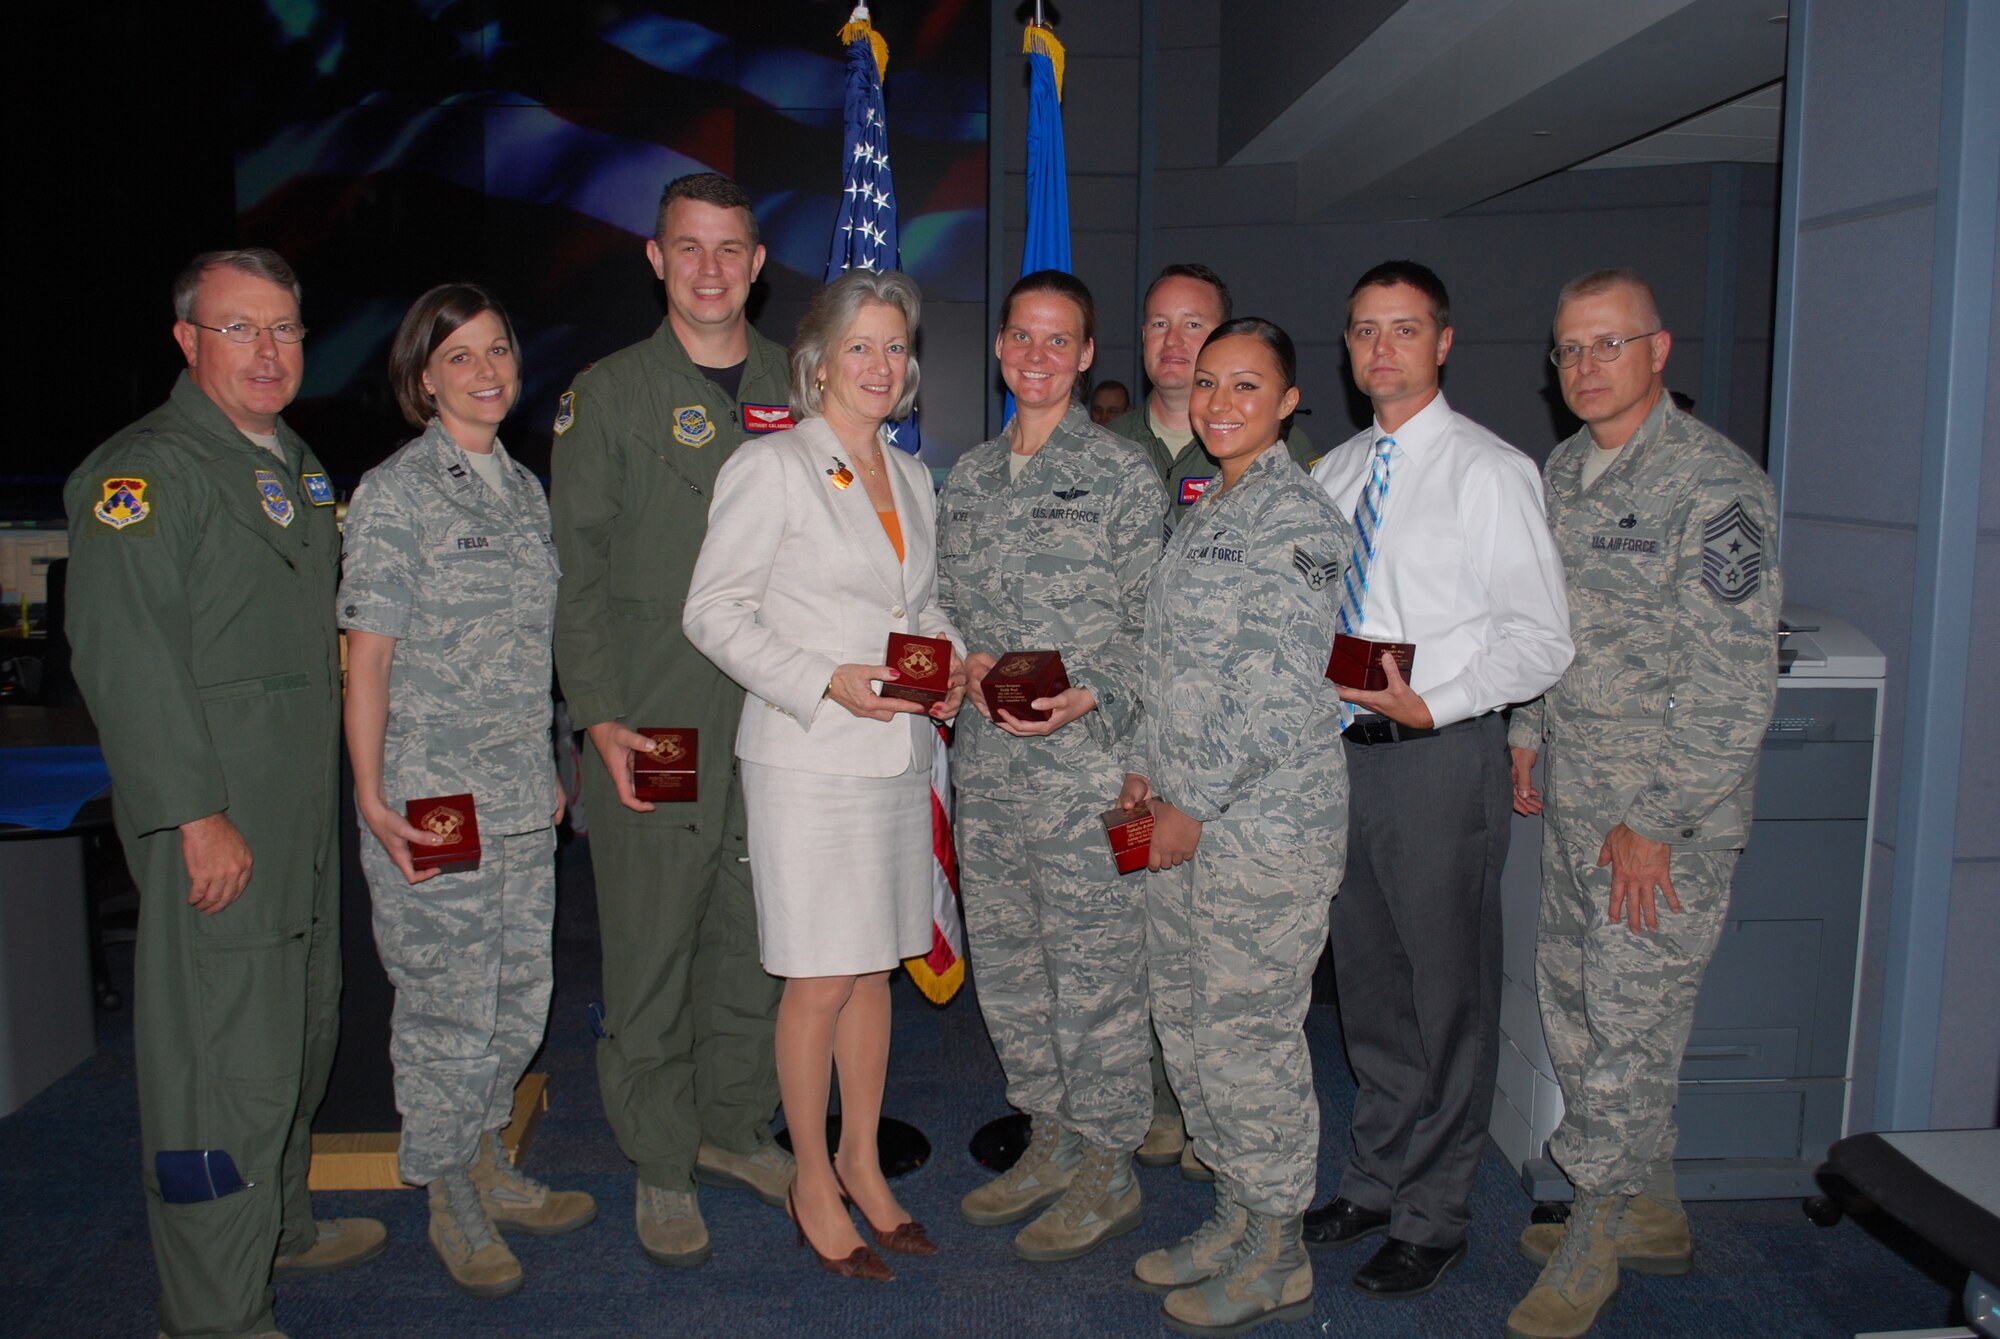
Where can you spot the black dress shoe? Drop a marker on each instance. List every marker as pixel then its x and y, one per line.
pixel 1405 1269
pixel 1341 1222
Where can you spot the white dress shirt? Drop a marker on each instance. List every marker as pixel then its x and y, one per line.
pixel 1467 569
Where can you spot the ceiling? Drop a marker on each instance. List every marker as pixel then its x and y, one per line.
pixel 1396 109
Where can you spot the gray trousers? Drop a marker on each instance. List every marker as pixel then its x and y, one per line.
pixel 1416 953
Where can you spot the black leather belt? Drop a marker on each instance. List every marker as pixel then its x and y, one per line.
pixel 1372 730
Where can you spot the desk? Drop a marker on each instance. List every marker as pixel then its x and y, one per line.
pixel 47 1022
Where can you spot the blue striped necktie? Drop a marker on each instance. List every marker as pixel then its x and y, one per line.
pixel 1367 530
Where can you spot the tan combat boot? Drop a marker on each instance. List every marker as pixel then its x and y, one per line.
pixel 1651 1238
pixel 1192 1167
pixel 463 1237
pixel 1267 1278
pixel 1102 1202
pixel 765 1172
pixel 1579 1280
pixel 1165 1138
pixel 1201 1255
pixel 513 1199
pixel 338 1243
pixel 670 1227
pixel 1037 1179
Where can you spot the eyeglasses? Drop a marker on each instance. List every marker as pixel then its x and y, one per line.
pixel 1604 350
pixel 242 332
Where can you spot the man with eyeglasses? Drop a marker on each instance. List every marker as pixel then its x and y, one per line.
pixel 203 564
pixel 1668 538
pixel 1453 555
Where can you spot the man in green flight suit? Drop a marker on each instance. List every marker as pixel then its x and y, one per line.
pixel 686 1064
pixel 1184 303
pixel 203 560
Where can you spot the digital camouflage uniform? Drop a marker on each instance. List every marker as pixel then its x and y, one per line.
pixel 688 1007
pixel 201 580
pixel 1241 732
pixel 1056 559
pixel 1193 470
pixel 1671 561
pixel 465 581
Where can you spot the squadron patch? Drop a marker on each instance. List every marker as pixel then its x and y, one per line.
pixel 124 503
pixel 1316 571
pixel 1192 489
pixel 1732 555
pixel 272 494
pixel 692 426
pixel 767 418
pixel 565 412
pixel 319 490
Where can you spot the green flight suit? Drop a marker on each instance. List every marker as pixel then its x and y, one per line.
pixel 689 1010
pixel 201 581
pixel 1193 470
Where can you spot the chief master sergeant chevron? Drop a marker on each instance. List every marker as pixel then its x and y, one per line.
pixel 1667 536
pixel 203 556
pixel 686 1069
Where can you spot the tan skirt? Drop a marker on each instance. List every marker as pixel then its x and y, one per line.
pixel 841 866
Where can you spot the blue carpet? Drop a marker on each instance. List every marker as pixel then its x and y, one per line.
pixel 77 1262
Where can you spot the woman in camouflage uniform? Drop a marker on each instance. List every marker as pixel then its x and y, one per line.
pixel 448 598
pixel 1239 757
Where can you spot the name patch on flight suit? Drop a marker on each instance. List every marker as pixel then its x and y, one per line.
pixel 692 426
pixel 124 503
pixel 319 490
pixel 1192 489
pixel 767 418
pixel 1732 555
pixel 565 412
pixel 272 494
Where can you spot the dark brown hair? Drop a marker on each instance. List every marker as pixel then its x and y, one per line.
pixel 429 323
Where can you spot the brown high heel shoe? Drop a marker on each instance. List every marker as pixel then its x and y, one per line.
pixel 905 1238
pixel 859 1263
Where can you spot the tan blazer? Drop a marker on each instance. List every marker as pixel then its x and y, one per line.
pixel 796 577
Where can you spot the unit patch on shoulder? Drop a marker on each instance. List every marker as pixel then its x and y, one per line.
pixel 1192 489
pixel 1732 555
pixel 272 494
pixel 124 503
pixel 565 412
pixel 692 426
pixel 767 418
pixel 319 490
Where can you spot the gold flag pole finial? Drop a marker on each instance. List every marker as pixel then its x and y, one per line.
pixel 857 25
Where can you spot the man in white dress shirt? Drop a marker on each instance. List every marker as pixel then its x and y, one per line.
pixel 1459 561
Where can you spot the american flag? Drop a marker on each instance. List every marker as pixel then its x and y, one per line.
pixel 864 236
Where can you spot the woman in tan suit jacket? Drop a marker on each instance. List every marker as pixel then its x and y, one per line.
pixel 820 544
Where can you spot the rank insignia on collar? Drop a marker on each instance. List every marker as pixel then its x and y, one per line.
pixel 767 418
pixel 692 426
pixel 319 490
pixel 124 503
pixel 1316 571
pixel 1192 489
pixel 272 494
pixel 565 412
pixel 840 474
pixel 1732 555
